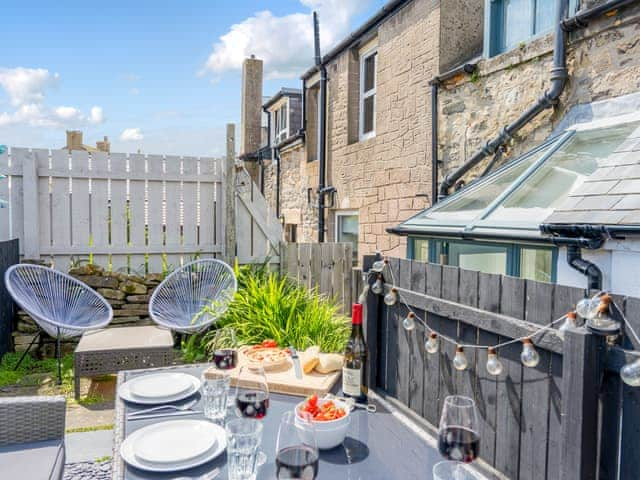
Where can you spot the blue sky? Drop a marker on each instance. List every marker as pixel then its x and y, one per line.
pixel 160 76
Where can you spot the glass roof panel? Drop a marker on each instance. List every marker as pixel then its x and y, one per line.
pixel 469 203
pixel 561 174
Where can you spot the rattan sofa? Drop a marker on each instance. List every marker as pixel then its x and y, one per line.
pixel 32 438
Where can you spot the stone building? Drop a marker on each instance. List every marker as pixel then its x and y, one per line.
pixel 478 64
pixel 74 142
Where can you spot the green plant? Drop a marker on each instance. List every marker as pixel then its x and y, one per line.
pixel 30 366
pixel 475 76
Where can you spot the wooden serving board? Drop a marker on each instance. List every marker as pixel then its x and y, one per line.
pixel 283 380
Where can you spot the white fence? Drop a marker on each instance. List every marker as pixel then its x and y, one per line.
pixel 133 213
pixel 129 212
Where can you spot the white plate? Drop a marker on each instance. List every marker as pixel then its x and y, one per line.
pixel 128 452
pixel 175 442
pixel 160 385
pixel 125 393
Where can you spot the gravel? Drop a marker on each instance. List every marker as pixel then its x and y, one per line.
pixel 88 471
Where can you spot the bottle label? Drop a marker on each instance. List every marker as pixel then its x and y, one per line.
pixel 351 378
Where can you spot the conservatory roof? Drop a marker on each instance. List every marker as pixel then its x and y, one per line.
pixel 589 174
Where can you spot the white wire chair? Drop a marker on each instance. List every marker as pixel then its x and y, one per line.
pixel 61 305
pixel 193 297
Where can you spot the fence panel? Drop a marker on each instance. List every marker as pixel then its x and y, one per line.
pixel 134 213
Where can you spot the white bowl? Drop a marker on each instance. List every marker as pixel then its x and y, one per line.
pixel 329 433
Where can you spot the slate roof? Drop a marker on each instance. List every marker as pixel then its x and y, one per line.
pixel 611 194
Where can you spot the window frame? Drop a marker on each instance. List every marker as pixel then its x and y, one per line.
pixel 347 213
pixel 277 118
pixel 513 259
pixel 372 52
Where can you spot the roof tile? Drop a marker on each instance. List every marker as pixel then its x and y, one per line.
pixel 628 202
pixel 629 145
pixel 595 188
pixel 626 187
pixel 631 218
pixel 598 202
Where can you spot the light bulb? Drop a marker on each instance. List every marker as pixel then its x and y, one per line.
pixel 587 307
pixel 378 266
pixel 529 355
pixel 630 373
pixel 363 296
pixel 568 324
pixel 409 323
pixel 602 323
pixel 494 365
pixel 378 286
pixel 391 298
pixel 432 344
pixel 460 360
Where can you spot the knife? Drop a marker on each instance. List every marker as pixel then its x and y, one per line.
pixel 164 415
pixel 296 362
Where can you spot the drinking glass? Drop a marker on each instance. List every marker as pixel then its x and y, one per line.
pixel 458 437
pixel 448 470
pixel 252 393
pixel 297 451
pixel 244 437
pixel 215 391
pixel 224 348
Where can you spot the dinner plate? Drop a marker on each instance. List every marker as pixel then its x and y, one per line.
pixel 125 393
pixel 160 385
pixel 175 442
pixel 129 453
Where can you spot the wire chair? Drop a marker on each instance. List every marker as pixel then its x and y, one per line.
pixel 61 305
pixel 193 297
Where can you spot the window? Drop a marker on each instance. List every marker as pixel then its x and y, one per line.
pixel 530 262
pixel 367 118
pixel 290 232
pixel 514 21
pixel 281 123
pixel 347 231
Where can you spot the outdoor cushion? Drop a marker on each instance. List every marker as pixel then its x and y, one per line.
pixel 33 461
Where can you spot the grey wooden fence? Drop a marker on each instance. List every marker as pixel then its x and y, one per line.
pixel 8 256
pixel 534 423
pixel 327 266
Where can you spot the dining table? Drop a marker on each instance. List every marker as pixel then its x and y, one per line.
pixel 382 445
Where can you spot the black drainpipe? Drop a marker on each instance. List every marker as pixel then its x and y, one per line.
pixel 304 107
pixel 559 75
pixel 276 153
pixel 590 269
pixel 434 140
pixel 322 128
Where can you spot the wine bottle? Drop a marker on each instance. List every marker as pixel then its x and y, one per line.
pixel 354 371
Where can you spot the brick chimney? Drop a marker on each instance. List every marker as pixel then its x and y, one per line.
pixel 251 109
pixel 74 140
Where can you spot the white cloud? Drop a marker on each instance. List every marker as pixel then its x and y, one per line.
pixel 26 90
pixel 285 43
pixel 26 85
pixel 96 116
pixel 131 134
pixel 134 91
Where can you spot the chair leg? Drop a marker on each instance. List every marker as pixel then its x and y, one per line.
pixel 59 356
pixel 24 354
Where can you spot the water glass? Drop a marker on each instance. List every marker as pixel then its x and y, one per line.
pixel 215 390
pixel 244 437
pixel 449 470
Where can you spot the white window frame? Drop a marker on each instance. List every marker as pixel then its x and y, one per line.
pixel 346 213
pixel 280 133
pixel 371 93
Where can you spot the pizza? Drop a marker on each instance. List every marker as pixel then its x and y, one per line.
pixel 265 355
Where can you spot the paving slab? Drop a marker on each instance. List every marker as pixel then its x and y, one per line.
pixel 88 446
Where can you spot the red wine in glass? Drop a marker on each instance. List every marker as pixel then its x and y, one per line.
pixel 225 358
pixel 297 462
pixel 252 403
pixel 458 444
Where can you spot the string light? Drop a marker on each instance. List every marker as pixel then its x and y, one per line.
pixel 529 355
pixel 588 308
pixel 391 298
pixel 432 345
pixel 460 360
pixel 602 323
pixel 378 286
pixel 569 323
pixel 409 323
pixel 494 365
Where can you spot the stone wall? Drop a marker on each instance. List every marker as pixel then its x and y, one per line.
pixel 603 61
pixel 128 295
pixel 386 178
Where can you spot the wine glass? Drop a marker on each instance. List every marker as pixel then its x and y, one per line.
pixel 223 345
pixel 458 437
pixel 297 454
pixel 252 392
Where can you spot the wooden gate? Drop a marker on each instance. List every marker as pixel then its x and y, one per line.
pixel 8 256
